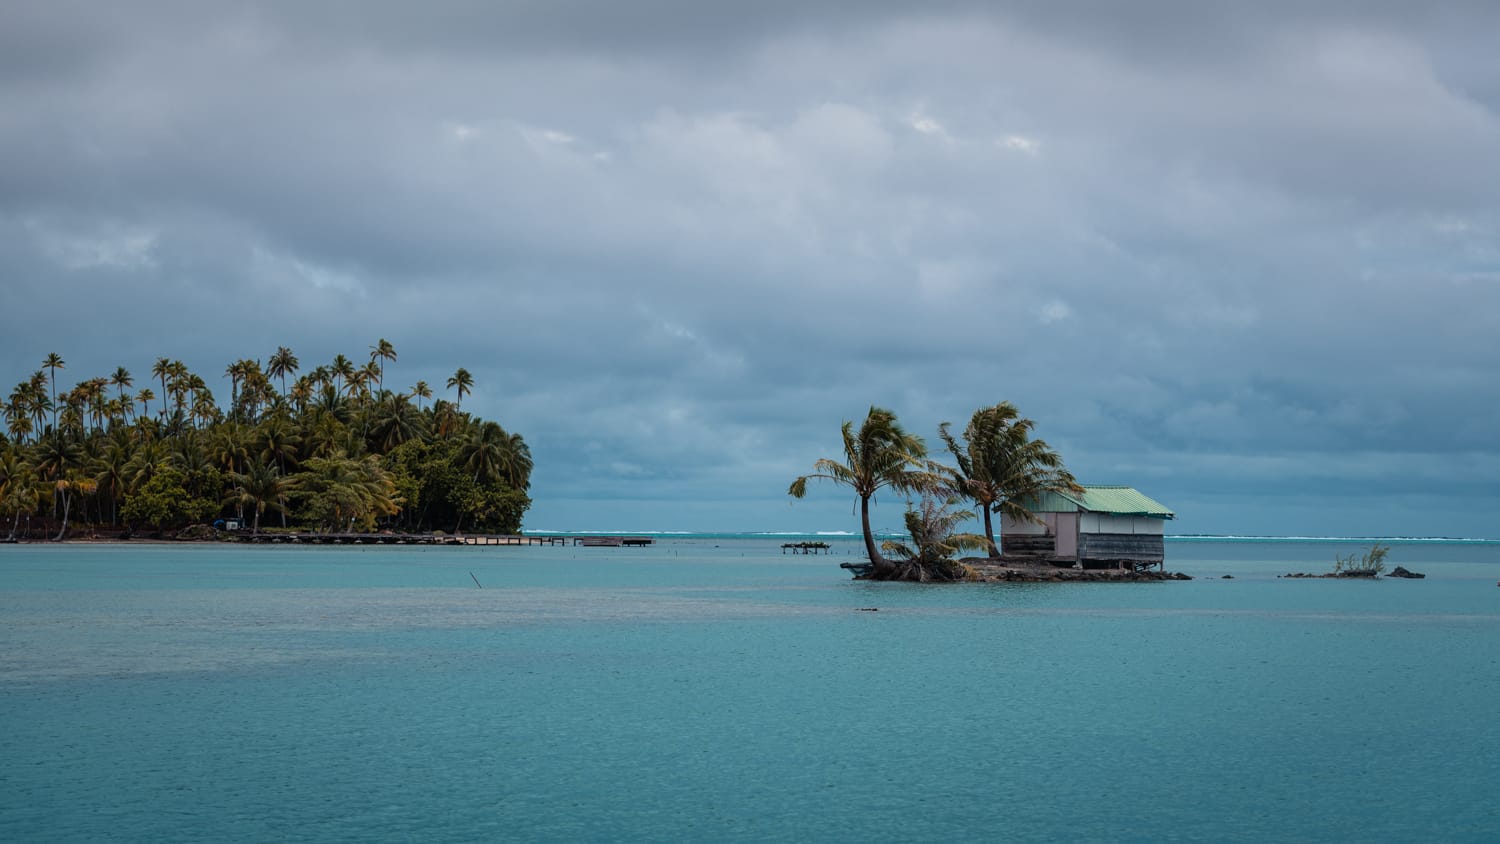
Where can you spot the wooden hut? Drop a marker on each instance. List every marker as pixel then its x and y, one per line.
pixel 1105 526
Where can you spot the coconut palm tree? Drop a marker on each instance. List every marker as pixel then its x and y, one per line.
pixel 384 351
pixel 17 423
pixel 235 371
pixel 29 406
pixel 343 370
pixel 260 487
pixel 179 382
pixel 395 422
pixel 144 397
pixel 255 390
pixel 282 364
pixel 446 420
pixel 149 459
pixel 880 454
pixel 229 446
pixel 122 379
pixel 56 460
pixel 17 488
pixel 464 382
pixel 367 375
pixel 1001 468
pixel 277 441
pixel 421 391
pixel 205 411
pixel 69 415
pixel 483 452
pixel 302 392
pixel 516 463
pixel 111 471
pixel 54 362
pixel 98 403
pixel 161 369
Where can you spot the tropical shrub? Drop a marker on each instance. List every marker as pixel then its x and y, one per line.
pixel 1369 564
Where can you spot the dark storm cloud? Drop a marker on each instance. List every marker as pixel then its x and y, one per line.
pixel 1211 249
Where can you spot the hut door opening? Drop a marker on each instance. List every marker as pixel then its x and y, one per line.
pixel 1067 535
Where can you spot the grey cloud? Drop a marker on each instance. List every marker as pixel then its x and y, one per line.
pixel 678 243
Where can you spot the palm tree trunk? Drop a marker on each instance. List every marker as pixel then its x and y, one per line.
pixel 883 567
pixel 989 531
pixel 67 502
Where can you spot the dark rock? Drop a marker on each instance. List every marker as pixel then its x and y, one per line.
pixel 1227 577
pixel 1402 572
pixel 196 533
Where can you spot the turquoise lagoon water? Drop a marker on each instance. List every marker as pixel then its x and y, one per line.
pixel 709 689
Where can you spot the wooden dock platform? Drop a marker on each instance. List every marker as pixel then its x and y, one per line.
pixel 438 539
pixel 612 541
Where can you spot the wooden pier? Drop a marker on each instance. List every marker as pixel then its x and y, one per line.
pixel 437 539
pixel 805 547
pixel 612 541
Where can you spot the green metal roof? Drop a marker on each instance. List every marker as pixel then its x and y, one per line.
pixel 1114 500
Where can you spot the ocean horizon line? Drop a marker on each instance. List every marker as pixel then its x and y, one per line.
pixel 854 535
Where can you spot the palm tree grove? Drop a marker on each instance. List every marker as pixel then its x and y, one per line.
pixel 333 448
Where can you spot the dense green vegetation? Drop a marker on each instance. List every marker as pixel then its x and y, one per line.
pixel 333 449
pixel 999 467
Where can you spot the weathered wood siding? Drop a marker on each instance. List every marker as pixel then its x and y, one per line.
pixel 1022 544
pixel 1010 525
pixel 1134 547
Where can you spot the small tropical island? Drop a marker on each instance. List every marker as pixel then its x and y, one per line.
pixel 333 449
pixel 998 468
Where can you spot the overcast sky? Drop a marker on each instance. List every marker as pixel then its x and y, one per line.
pixel 1244 257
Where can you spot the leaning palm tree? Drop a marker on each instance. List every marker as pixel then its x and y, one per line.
pixel 464 382
pixel 1001 468
pixel 880 454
